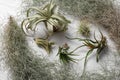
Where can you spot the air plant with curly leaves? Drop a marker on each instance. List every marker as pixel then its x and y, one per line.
pixel 44 43
pixel 64 55
pixel 95 44
pixel 84 28
pixel 53 20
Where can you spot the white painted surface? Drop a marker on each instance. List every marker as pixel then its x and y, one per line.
pixel 10 7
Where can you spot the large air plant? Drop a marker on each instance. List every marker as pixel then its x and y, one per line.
pixel 64 55
pixel 95 44
pixel 53 20
pixel 44 43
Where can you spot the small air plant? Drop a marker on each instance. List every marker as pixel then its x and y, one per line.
pixel 53 20
pixel 64 55
pixel 84 28
pixel 44 43
pixel 95 44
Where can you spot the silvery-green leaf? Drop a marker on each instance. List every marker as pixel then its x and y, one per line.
pixel 41 12
pixel 51 7
pixel 60 18
pixel 38 21
pixel 50 27
pixel 54 22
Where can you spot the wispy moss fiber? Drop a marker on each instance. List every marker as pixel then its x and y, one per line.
pixel 66 72
pixel 108 71
pixel 93 9
pixel 19 58
pixel 31 3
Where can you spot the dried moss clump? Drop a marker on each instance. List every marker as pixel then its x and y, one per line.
pixel 22 63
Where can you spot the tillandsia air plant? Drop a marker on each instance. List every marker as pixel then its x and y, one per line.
pixel 49 14
pixel 84 28
pixel 44 43
pixel 64 55
pixel 95 44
